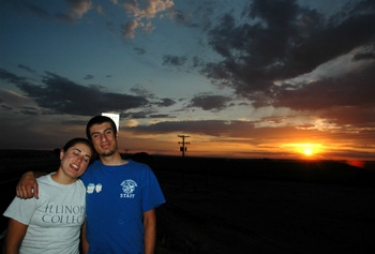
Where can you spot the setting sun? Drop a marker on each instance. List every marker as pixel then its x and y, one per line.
pixel 308 152
pixel 306 149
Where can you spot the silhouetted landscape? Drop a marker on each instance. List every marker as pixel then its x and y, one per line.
pixel 218 205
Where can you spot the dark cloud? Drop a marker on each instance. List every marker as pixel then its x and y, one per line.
pixel 351 116
pixel 174 60
pixel 144 114
pixel 128 29
pixel 73 122
pixel 346 100
pixel 282 40
pixel 63 96
pixel 139 90
pixel 353 90
pixel 36 10
pixel 209 102
pixel 6 107
pixel 165 102
pixel 24 67
pixel 88 76
pixel 10 77
pixel 40 12
pixel 364 6
pixel 139 51
pixel 181 18
pixel 198 62
pixel 366 54
pixel 135 115
pixel 29 111
pixel 218 128
pixel 207 127
pixel 161 116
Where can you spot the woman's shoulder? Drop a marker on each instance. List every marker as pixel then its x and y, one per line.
pixel 46 179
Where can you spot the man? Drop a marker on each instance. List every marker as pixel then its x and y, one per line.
pixel 121 197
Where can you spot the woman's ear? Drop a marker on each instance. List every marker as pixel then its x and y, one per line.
pixel 61 154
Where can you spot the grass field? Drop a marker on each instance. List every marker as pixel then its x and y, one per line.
pixel 251 206
pixel 265 206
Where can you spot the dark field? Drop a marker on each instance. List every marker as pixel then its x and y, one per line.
pixel 245 206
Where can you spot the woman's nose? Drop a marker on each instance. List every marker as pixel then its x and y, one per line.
pixel 79 159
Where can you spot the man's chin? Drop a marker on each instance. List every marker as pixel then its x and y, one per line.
pixel 107 154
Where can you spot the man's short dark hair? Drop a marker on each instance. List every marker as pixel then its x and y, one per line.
pixel 99 120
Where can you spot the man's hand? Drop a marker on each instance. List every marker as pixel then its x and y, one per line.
pixel 27 186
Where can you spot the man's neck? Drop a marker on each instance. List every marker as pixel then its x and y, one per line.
pixel 113 160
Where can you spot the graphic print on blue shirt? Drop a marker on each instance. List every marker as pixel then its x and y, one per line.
pixel 91 187
pixel 128 187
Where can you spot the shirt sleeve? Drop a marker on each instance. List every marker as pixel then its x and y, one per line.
pixel 153 195
pixel 21 210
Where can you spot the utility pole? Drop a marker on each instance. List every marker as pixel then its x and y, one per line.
pixel 183 149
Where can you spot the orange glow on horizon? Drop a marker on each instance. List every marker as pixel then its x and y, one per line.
pixel 309 150
pixel 208 146
pixel 356 163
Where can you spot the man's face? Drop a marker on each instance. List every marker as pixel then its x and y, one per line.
pixel 103 139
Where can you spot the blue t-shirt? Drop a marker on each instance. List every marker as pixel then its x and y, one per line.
pixel 117 197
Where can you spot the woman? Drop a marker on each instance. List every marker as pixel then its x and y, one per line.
pixel 51 224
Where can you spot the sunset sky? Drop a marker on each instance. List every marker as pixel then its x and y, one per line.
pixel 250 79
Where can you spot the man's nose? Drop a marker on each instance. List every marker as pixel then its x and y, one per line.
pixel 103 137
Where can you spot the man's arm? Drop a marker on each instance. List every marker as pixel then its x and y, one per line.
pixel 149 223
pixel 27 186
pixel 15 235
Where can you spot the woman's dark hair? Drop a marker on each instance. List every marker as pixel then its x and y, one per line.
pixel 85 141
pixel 99 120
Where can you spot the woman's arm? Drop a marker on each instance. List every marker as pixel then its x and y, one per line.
pixel 84 242
pixel 15 234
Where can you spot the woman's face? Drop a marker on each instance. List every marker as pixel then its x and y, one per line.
pixel 75 160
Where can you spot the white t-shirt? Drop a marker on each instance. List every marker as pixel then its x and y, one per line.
pixel 54 220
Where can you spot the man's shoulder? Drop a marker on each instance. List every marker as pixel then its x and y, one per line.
pixel 138 165
pixel 94 164
pixel 130 164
